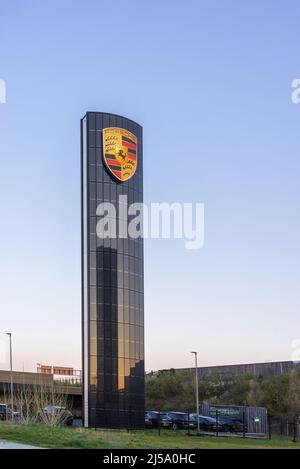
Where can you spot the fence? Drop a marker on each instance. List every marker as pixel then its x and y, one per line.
pixel 285 427
pixel 255 418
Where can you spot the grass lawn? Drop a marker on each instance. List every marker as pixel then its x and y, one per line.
pixel 68 437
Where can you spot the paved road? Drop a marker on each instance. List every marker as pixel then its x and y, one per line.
pixel 12 445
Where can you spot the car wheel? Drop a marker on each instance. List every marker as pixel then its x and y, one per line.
pixel 175 426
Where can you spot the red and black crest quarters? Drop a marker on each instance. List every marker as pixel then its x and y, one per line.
pixel 120 152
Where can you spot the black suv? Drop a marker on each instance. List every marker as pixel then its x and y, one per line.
pixel 153 418
pixel 232 425
pixel 180 420
pixel 206 423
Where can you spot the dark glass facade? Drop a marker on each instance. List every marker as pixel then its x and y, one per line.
pixel 112 289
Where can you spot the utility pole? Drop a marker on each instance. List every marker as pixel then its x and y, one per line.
pixel 197 389
pixel 11 376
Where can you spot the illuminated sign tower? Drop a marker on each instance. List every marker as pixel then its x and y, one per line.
pixel 112 274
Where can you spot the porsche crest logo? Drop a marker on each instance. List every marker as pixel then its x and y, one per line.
pixel 120 152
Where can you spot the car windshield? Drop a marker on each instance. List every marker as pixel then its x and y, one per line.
pixel 156 415
pixel 159 415
pixel 204 418
pixel 179 416
pixel 209 419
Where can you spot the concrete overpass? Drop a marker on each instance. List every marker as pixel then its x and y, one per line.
pixel 47 381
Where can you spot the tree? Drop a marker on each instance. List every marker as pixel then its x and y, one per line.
pixel 274 395
pixel 254 393
pixel 172 390
pixel 30 403
pixel 293 397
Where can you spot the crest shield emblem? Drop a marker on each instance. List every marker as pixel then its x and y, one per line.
pixel 120 152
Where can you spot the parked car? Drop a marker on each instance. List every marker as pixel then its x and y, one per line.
pixel 206 423
pixel 180 420
pixel 148 422
pixel 230 424
pixel 153 418
pixel 5 413
pixel 65 417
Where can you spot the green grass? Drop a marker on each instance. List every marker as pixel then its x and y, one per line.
pixel 65 437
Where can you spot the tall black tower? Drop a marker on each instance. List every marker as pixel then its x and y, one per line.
pixel 112 274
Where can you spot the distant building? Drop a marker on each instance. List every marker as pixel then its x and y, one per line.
pixel 257 369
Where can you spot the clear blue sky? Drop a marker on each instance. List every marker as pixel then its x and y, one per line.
pixel 210 83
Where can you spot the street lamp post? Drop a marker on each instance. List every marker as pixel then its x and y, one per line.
pixel 11 376
pixel 197 389
pixel 39 371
